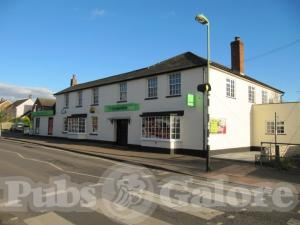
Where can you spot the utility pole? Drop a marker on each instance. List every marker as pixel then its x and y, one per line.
pixel 277 153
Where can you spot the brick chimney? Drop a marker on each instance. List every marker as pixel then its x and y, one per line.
pixel 73 80
pixel 237 56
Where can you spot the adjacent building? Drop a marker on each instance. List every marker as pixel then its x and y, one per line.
pixel 42 116
pixel 158 107
pixel 4 104
pixel 19 108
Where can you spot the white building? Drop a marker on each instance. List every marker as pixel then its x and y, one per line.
pixel 19 108
pixel 159 106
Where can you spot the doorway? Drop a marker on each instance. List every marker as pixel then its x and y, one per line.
pixel 50 126
pixel 122 132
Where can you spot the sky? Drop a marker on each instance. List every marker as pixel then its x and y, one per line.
pixel 42 43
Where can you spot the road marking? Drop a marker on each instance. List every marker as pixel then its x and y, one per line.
pixel 53 165
pixel 141 219
pixel 210 195
pixel 9 204
pixel 218 185
pixel 14 218
pixel 181 206
pixel 47 219
pixel 293 222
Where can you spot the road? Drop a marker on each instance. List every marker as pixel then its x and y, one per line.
pixel 112 192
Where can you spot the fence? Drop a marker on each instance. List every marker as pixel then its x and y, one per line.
pixel 282 154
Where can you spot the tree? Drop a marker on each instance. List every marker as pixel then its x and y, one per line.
pixel 2 119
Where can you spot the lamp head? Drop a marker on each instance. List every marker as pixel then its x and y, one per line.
pixel 202 19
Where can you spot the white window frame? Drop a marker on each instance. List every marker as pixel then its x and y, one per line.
pixel 264 97
pixel 65 124
pixel 95 96
pixel 152 87
pixel 270 128
pixel 79 99
pixel 66 100
pixel 95 124
pixel 123 92
pixel 76 125
pixel 169 128
pixel 175 84
pixel 230 88
pixel 251 94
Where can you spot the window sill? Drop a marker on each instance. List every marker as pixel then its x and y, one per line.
pixel 161 140
pixel 93 134
pixel 65 132
pixel 231 97
pixel 173 96
pixel 76 133
pixel 94 104
pixel 274 134
pixel 79 106
pixel 151 98
pixel 122 101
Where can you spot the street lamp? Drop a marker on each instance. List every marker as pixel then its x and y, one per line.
pixel 204 21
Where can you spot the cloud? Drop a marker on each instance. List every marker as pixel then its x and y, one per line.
pixel 14 92
pixel 97 13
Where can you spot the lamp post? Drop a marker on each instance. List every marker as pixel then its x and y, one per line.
pixel 204 21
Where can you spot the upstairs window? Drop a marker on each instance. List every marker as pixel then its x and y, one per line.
pixel 251 94
pixel 79 102
pixel 230 88
pixel 123 92
pixel 175 84
pixel 95 96
pixel 152 87
pixel 66 100
pixel 264 97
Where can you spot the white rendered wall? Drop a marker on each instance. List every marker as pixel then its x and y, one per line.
pixel 191 124
pixel 236 111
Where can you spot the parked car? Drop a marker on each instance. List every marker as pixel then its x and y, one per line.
pixel 18 127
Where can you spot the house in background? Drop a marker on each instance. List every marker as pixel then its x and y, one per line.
pixel 42 114
pixel 19 108
pixel 4 104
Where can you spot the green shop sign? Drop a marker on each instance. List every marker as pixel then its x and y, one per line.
pixel 191 100
pixel 122 107
pixel 42 113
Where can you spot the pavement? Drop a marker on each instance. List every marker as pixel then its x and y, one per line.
pixel 235 171
pixel 168 198
pixel 237 156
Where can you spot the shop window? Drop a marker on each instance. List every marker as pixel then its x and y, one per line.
pixel 161 127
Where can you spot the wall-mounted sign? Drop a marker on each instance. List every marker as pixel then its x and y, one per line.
pixel 122 107
pixel 217 126
pixel 191 100
pixel 42 113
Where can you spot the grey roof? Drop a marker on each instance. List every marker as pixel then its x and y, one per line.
pixel 183 61
pixel 18 102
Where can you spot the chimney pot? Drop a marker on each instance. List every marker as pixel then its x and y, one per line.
pixel 237 55
pixel 73 80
